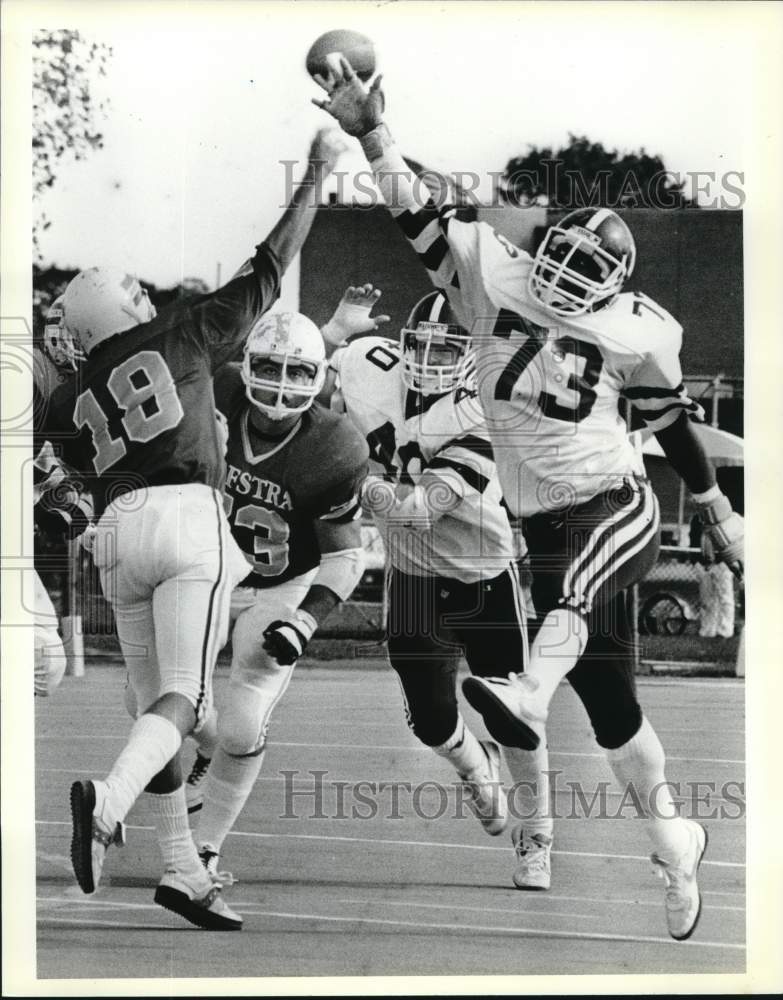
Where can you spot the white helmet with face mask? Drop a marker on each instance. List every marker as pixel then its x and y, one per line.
pixel 284 364
pixel 436 351
pixel 102 301
pixel 60 345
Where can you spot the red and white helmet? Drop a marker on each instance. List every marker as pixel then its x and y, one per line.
pixel 292 343
pixel 582 262
pixel 59 344
pixel 436 351
pixel 102 301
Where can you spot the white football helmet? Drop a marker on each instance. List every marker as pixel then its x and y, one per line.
pixel 293 344
pixel 59 344
pixel 102 301
pixel 436 351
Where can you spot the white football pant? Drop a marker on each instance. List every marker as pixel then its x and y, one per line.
pixel 168 564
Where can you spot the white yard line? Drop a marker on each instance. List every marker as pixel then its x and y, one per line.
pixel 412 843
pixel 535 932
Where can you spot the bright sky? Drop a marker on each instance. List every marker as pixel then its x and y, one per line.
pixel 206 101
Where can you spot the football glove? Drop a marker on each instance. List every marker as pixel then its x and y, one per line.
pixel 57 519
pixel 286 641
pixel 726 531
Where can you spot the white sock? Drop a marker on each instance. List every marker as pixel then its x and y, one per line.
pixel 463 750
pixel 555 651
pixel 528 799
pixel 207 736
pixel 175 840
pixel 229 783
pixel 152 743
pixel 641 762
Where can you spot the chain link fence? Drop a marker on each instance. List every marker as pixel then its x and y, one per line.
pixel 688 614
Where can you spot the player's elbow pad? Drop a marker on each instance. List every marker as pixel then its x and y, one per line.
pixel 340 571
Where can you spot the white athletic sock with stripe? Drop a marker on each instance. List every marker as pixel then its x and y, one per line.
pixel 228 786
pixel 463 750
pixel 152 743
pixel 528 798
pixel 170 814
pixel 560 642
pixel 641 762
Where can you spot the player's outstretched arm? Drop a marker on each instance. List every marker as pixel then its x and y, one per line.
pixel 722 525
pixel 423 220
pixel 287 237
pixel 221 319
pixel 352 316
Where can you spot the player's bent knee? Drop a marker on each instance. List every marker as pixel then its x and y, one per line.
pixel 241 730
pixel 433 732
pixel 250 700
pixel 614 730
pixel 430 701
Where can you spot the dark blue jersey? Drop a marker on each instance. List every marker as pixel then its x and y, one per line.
pixel 273 499
pixel 141 410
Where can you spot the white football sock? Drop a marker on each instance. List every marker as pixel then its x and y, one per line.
pixel 528 799
pixel 207 736
pixel 229 783
pixel 555 651
pixel 641 762
pixel 170 813
pixel 463 750
pixel 152 743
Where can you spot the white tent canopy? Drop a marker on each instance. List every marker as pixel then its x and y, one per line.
pixel 723 448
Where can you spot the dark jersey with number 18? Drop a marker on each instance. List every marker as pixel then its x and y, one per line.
pixel 140 411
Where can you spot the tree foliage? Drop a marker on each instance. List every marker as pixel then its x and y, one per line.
pixel 584 173
pixel 66 115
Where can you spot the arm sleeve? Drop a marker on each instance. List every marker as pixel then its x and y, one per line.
pixel 339 502
pixel 656 390
pixel 333 493
pixel 466 464
pixel 445 246
pixel 221 320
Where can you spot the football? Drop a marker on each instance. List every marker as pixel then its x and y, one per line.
pixel 358 49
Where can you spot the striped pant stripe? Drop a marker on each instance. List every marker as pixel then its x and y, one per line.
pixel 519 604
pixel 597 539
pixel 610 546
pixel 626 552
pixel 215 612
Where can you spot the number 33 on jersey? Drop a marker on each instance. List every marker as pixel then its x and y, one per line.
pixel 272 499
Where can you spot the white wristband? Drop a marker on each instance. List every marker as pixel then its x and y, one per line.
pixel 376 142
pixel 709 496
pixel 305 622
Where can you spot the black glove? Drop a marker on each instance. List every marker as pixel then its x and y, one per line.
pixel 55 522
pixel 286 641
